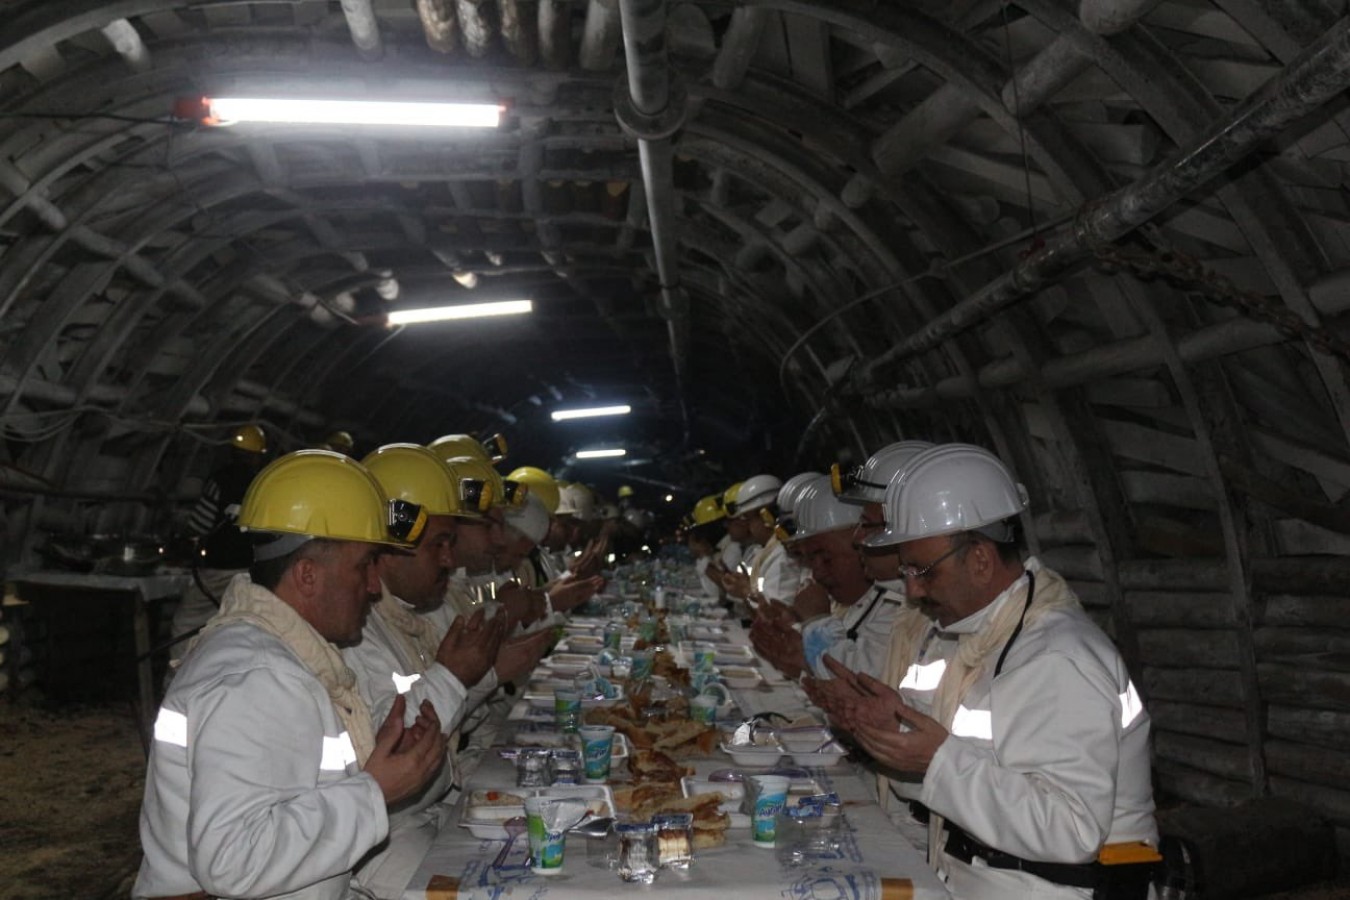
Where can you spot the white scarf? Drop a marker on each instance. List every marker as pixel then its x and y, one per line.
pixel 976 648
pixel 246 602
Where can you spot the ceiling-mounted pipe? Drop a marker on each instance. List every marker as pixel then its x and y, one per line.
pixel 1320 72
pixel 650 106
pixel 364 27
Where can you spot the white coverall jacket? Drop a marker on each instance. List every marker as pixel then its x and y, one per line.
pixel 253 788
pixel 1049 761
pixel 383 671
pixel 730 552
pixel 773 573
pixel 871 624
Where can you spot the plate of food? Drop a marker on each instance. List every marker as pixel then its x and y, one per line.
pixel 741 678
pixel 486 809
pixel 582 643
pixel 542 698
pixel 763 750
pixel 545 734
pixel 730 792
pixel 568 662
pixel 733 655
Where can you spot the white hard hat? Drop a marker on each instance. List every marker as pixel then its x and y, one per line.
pixel 792 491
pixel 609 511
pixel 576 500
pixel 867 483
pixel 530 519
pixel 948 489
pixel 756 492
pixel 819 510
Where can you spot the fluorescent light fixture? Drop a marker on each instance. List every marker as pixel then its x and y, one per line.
pixel 562 415
pixel 301 111
pixel 601 454
pixel 670 498
pixel 460 311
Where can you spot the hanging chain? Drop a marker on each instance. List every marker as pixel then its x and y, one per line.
pixel 1187 273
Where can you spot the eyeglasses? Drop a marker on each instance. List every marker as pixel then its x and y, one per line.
pixel 475 494
pixel 516 492
pixel 841 481
pixel 907 571
pixel 406 521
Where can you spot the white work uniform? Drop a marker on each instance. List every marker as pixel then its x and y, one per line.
pixel 774 574
pixel 730 552
pixel 861 633
pixel 1050 760
pixel 383 671
pixel 710 588
pixel 918 686
pixel 253 787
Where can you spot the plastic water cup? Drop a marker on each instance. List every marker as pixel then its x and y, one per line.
pixel 567 709
pixel 769 796
pixel 546 845
pixel 702 657
pixel 703 708
pixel 597 748
pixel 642 665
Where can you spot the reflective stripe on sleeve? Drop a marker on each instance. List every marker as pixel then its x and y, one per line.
pixel 1131 706
pixel 338 753
pixel 171 727
pixel 924 678
pixel 404 683
pixel 973 723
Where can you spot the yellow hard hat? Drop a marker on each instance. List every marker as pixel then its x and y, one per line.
pixel 449 446
pixel 322 494
pixel 413 473
pixel 249 438
pixel 542 485
pixel 625 491
pixel 340 441
pixel 709 509
pixel 729 496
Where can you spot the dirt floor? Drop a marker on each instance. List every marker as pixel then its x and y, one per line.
pixel 70 793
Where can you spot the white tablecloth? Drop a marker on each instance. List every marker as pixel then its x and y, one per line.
pixel 871 849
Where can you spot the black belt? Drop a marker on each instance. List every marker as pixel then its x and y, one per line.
pixel 960 845
pixel 919 812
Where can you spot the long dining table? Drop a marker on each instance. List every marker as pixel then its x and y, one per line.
pixel 874 862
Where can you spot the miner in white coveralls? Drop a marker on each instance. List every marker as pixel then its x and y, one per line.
pixel 1034 760
pixel 266 776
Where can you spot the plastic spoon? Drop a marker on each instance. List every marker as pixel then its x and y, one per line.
pixel 515 827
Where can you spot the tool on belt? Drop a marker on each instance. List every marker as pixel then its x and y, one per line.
pixel 1122 871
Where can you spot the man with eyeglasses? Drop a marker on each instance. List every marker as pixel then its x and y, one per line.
pixel 1034 761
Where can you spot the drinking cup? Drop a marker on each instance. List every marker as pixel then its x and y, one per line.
pixel 597 748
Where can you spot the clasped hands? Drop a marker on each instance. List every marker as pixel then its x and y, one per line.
pixel 874 713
